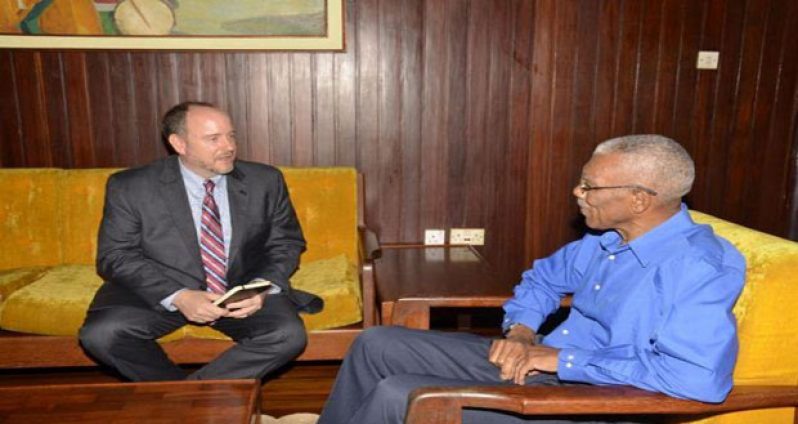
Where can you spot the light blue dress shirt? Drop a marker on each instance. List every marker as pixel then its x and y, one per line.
pixel 195 189
pixel 655 313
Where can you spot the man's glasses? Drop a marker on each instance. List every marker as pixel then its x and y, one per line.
pixel 585 187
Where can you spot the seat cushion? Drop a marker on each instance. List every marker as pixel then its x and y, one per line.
pixel 12 280
pixel 56 302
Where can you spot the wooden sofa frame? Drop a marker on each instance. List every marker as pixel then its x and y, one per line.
pixel 22 350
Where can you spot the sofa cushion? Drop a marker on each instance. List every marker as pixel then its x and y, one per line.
pixel 56 302
pixel 30 234
pixel 334 280
pixel 325 200
pixel 12 280
pixel 81 199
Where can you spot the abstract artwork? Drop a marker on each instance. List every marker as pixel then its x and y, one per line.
pixel 173 24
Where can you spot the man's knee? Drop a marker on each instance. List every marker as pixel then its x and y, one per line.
pixel 289 337
pixel 99 332
pixel 295 336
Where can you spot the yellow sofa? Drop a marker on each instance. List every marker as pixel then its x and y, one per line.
pixel 48 233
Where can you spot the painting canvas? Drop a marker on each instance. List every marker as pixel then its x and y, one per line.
pixel 173 24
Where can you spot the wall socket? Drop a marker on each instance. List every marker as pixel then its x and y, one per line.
pixel 434 237
pixel 707 60
pixel 472 236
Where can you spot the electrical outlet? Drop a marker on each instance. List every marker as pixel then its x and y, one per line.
pixel 472 236
pixel 707 60
pixel 434 237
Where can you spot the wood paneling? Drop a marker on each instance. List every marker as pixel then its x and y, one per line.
pixel 459 113
pixel 738 122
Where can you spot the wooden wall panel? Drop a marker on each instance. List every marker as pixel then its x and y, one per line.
pixel 459 113
pixel 10 126
pixel 737 121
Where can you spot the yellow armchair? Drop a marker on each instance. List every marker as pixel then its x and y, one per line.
pixel 766 375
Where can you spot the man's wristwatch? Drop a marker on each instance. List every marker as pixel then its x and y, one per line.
pixel 510 328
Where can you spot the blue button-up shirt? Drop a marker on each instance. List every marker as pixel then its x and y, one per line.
pixel 655 313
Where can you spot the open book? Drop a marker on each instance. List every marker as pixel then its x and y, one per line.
pixel 244 291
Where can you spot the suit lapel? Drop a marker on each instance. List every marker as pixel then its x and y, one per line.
pixel 173 194
pixel 238 197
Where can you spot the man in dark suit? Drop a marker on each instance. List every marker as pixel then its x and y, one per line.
pixel 175 235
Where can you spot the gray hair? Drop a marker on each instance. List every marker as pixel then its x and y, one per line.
pixel 666 165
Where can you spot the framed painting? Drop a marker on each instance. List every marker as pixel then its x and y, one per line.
pixel 173 24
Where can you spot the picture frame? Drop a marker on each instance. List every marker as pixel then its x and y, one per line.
pixel 333 40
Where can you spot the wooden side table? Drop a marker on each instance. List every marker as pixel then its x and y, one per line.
pixel 411 279
pixel 205 401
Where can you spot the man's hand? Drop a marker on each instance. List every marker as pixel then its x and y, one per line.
pixel 517 355
pixel 246 307
pixel 197 306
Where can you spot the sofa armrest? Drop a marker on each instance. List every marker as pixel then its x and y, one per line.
pixel 369 244
pixel 439 405
pixel 369 250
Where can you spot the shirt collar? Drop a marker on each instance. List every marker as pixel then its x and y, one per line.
pixel 195 181
pixel 651 245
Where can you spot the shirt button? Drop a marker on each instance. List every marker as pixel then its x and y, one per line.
pixel 570 357
pixel 611 257
pixel 597 287
pixel 565 331
pixel 568 365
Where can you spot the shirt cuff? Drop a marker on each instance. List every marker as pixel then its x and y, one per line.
pixel 529 319
pixel 273 288
pixel 167 302
pixel 572 364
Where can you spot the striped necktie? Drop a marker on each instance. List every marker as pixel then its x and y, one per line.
pixel 214 260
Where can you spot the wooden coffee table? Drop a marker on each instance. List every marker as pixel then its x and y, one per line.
pixel 207 401
pixel 411 279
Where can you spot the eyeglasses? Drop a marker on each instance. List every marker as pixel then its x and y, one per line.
pixel 586 188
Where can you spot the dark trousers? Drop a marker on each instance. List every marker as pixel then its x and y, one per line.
pixel 385 364
pixel 125 338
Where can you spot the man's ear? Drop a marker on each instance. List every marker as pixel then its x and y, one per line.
pixel 177 143
pixel 641 202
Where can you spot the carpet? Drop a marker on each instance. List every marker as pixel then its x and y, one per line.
pixel 301 418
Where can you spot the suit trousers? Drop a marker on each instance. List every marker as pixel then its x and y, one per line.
pixel 385 364
pixel 125 338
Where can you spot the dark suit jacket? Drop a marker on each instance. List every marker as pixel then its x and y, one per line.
pixel 148 246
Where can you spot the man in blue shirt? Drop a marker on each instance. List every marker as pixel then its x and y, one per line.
pixel 652 304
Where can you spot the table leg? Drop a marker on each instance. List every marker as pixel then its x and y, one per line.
pixel 411 313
